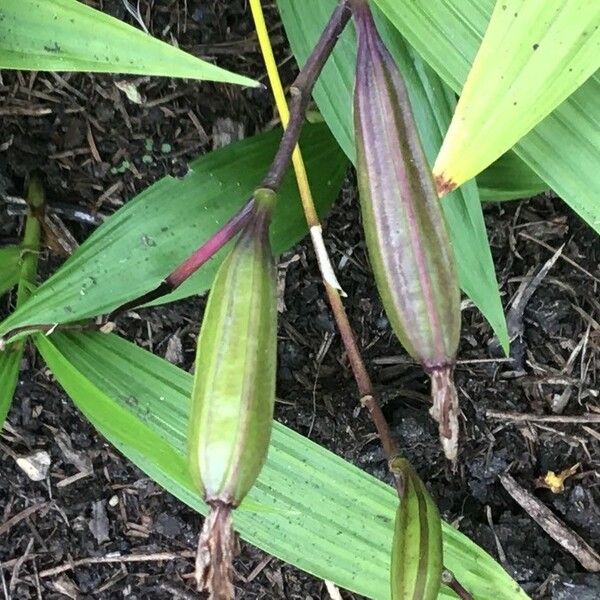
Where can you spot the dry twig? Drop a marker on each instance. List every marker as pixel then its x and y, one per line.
pixel 552 525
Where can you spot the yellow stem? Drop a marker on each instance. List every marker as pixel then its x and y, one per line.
pixel 332 287
pixel 306 197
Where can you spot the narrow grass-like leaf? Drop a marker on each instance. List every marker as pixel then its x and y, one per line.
pixel 333 92
pixel 509 178
pixel 66 35
pixel 433 105
pixel 10 361
pixel 535 53
pixel 309 507
pixel 563 148
pixel 137 247
pixel 10 259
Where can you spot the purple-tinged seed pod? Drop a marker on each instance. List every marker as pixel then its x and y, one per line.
pixel 406 235
pixel 233 394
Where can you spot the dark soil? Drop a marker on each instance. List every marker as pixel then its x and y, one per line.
pixel 95 150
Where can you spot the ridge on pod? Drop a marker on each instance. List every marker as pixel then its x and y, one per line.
pixel 233 392
pixel 407 241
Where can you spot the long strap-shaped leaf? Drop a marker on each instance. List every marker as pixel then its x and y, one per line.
pixel 309 507
pixel 563 148
pixel 66 35
pixel 433 105
pixel 535 53
pixel 10 362
pixel 509 179
pixel 10 260
pixel 138 246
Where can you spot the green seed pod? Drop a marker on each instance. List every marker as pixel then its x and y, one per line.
pixel 405 232
pixel 416 567
pixel 233 393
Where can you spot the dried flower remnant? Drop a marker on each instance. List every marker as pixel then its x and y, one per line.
pixel 406 235
pixel 234 392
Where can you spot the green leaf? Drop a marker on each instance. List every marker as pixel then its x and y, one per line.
pixel 322 514
pixel 66 35
pixel 563 148
pixel 509 178
pixel 10 361
pixel 137 247
pixel 535 53
pixel 433 105
pixel 10 266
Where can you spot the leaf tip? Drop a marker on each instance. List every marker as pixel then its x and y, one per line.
pixel 444 185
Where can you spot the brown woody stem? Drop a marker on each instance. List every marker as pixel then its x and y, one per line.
pixel 361 376
pixel 451 581
pixel 300 92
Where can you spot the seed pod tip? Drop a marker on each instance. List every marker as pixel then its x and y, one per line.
pixel 216 548
pixel 445 409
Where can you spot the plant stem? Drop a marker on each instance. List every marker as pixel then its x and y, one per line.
pixel 211 246
pixel 301 91
pixel 292 120
pixel 361 376
pixel 451 581
pixel 30 248
pixel 31 240
pixel 196 260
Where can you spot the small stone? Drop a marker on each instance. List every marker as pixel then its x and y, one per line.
pixel 168 525
pixel 174 353
pixel 113 501
pixel 35 465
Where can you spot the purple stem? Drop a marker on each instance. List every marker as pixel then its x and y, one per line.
pixel 205 252
pixel 190 265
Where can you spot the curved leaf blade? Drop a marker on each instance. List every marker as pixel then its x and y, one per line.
pixel 509 178
pixel 563 148
pixel 137 247
pixel 309 507
pixel 67 35
pixel 10 362
pixel 433 105
pixel 534 54
pixel 10 267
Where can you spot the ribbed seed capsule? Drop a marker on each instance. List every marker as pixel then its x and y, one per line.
pixel 406 236
pixel 234 391
pixel 416 566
